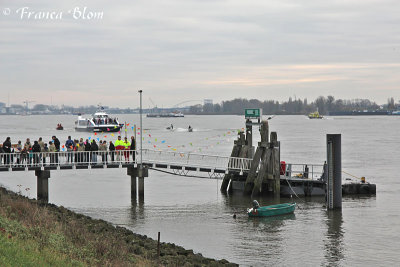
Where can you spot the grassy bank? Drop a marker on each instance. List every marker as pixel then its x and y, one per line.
pixel 35 234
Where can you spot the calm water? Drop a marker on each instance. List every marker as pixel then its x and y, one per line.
pixel 191 212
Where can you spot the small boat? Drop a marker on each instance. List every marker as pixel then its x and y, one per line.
pixel 273 210
pixel 315 115
pixel 59 127
pixel 190 129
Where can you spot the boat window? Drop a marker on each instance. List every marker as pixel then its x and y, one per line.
pixel 83 122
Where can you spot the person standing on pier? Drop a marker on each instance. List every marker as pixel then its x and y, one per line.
pixel 133 147
pixel 87 151
pixel 28 151
pixel 81 150
pixel 127 146
pixel 7 149
pixel 52 150
pixel 70 147
pixel 111 148
pixel 36 151
pixel 119 146
pixel 57 145
pixel 103 151
pixel 18 151
pixel 94 148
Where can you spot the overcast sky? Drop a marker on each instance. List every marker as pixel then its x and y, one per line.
pixel 181 50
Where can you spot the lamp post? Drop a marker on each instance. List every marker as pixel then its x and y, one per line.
pixel 141 129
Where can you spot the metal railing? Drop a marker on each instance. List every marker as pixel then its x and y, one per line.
pixel 63 158
pixel 303 171
pixel 196 160
pixel 118 157
pixel 42 159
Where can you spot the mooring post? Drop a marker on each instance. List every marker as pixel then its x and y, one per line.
pixel 141 187
pixel 140 172
pixel 276 163
pixel 42 185
pixel 334 171
pixel 132 173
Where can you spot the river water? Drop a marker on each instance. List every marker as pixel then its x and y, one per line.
pixel 191 212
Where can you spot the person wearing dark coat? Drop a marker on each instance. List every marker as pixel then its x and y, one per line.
pixel 133 147
pixel 111 147
pixel 36 150
pixel 87 151
pixel 94 148
pixel 7 149
pixel 57 145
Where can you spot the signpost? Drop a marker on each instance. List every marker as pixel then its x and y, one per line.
pixel 253 113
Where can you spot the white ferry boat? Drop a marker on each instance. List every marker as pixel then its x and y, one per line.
pixel 100 122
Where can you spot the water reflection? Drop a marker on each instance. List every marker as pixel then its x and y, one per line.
pixel 136 210
pixel 274 221
pixel 334 246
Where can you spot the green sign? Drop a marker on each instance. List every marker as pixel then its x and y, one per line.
pixel 252 113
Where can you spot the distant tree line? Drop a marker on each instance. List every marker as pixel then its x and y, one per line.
pixel 292 107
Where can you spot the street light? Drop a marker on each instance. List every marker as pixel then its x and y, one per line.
pixel 141 129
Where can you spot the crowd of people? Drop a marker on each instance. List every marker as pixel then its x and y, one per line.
pixel 41 152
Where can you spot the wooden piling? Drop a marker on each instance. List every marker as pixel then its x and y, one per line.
pixel 42 185
pixel 237 150
pixel 248 187
pixel 139 172
pixel 334 171
pixel 265 167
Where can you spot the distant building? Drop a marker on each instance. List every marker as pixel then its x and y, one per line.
pixel 2 108
pixel 208 101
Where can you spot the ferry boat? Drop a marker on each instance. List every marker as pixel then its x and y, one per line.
pixel 100 122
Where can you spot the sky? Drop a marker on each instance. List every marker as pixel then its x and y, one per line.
pixel 190 50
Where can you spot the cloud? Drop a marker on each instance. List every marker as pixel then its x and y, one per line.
pixel 203 49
